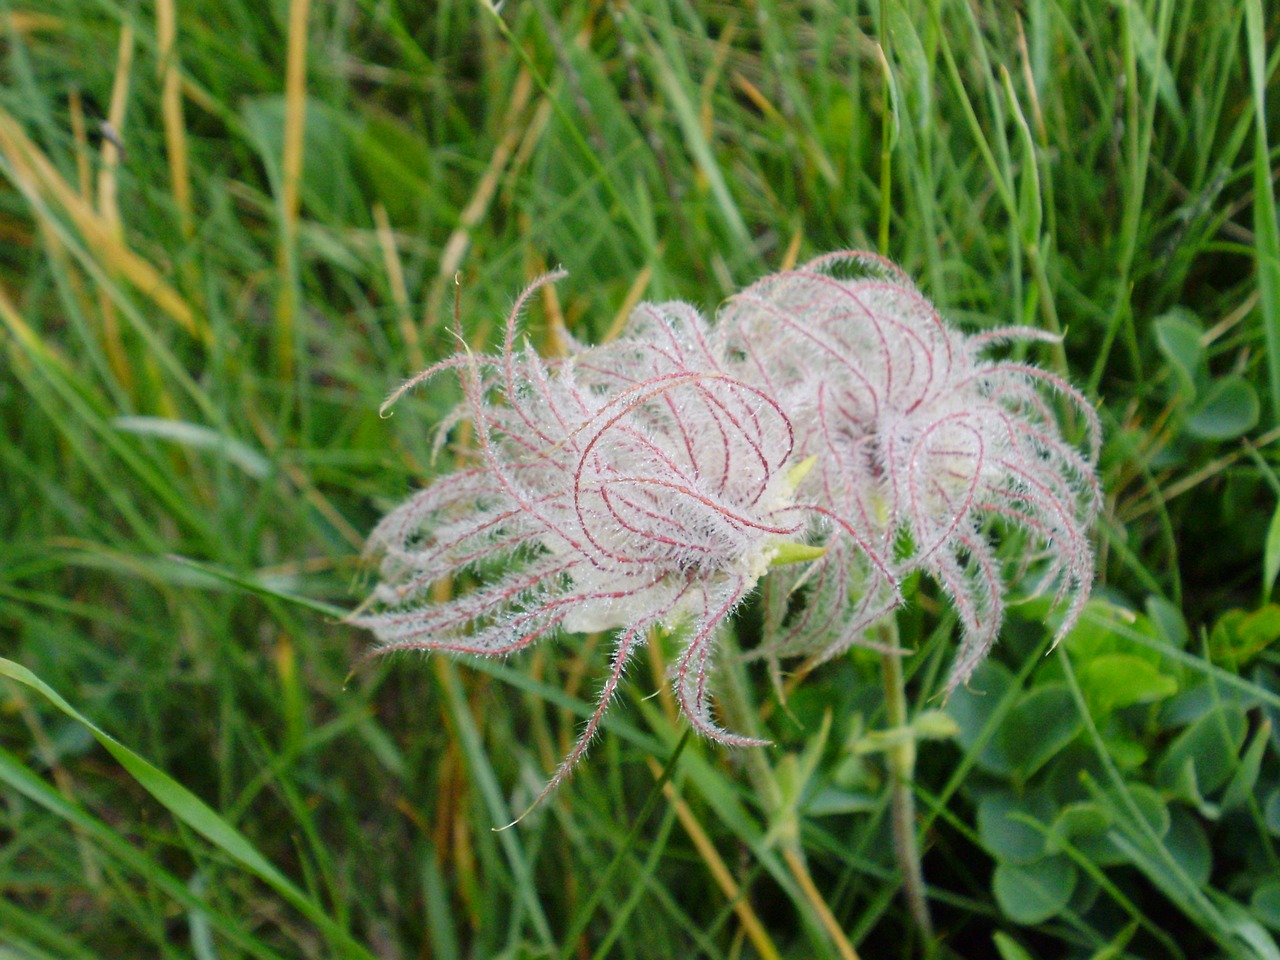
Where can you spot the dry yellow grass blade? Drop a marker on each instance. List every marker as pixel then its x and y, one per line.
pixel 21 332
pixel 295 96
pixel 175 128
pixel 112 150
pixel 799 870
pixel 40 182
pixel 399 292
pixel 556 340
pixel 84 175
pixel 295 118
pixel 108 203
pixel 723 877
pixel 793 250
pixel 634 294
pixel 24 21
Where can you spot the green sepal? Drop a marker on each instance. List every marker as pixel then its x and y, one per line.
pixel 795 553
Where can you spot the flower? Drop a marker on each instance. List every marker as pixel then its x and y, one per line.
pixel 629 485
pixel 924 448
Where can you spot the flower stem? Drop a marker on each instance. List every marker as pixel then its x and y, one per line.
pixel 901 759
pixel 741 714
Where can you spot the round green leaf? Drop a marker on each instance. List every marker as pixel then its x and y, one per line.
pixel 1004 831
pixel 1081 819
pixel 1038 728
pixel 1228 409
pixel 1178 335
pixel 972 707
pixel 1033 894
pixel 1084 896
pixel 1099 846
pixel 1149 803
pixel 1085 826
pixel 1128 754
pixel 1265 903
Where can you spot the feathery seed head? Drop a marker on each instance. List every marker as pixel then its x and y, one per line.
pixel 830 437
pixel 923 446
pixel 628 485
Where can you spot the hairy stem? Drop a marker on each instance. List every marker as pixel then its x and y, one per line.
pixel 901 759
pixel 742 716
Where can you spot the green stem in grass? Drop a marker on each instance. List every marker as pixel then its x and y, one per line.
pixel 901 760
pixel 740 713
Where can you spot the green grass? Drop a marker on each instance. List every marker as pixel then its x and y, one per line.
pixel 192 454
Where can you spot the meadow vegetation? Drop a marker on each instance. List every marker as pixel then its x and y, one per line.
pixel 229 229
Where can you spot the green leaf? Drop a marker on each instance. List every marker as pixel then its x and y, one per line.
pixel 327 185
pixel 1265 903
pixel 1085 826
pixel 1152 57
pixel 787 552
pixel 793 775
pixel 1211 746
pixel 1266 226
pixel 1168 621
pixel 260 587
pixel 835 801
pixel 934 725
pixel 1187 842
pixel 974 704
pixel 1271 813
pixel 1107 627
pixel 1178 334
pixel 1228 409
pixel 1240 789
pixel 928 725
pixel 1117 680
pixel 1039 727
pixel 129 857
pixel 1128 754
pixel 397 171
pixel 1240 635
pixel 1244 928
pixel 671 71
pixel 1034 894
pixel 1149 804
pixel 1081 819
pixel 1116 948
pixel 1271 555
pixel 1008 948
pixel 1003 829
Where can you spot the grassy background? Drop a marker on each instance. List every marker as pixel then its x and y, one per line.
pixel 197 331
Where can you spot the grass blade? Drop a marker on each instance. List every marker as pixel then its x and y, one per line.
pixel 195 813
pixel 1266 231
